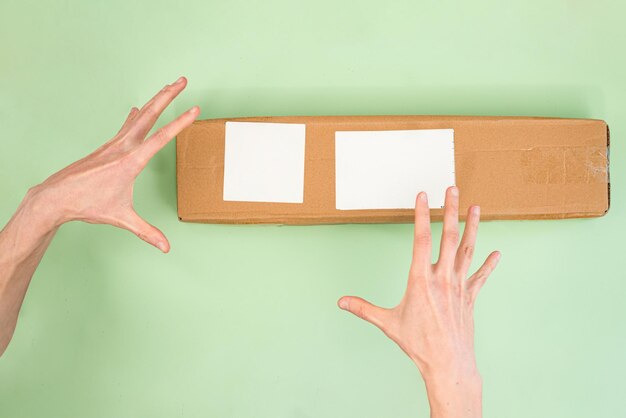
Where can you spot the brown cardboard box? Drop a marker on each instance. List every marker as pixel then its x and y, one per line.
pixel 513 167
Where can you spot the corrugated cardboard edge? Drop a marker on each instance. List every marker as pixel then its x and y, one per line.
pixel 608 168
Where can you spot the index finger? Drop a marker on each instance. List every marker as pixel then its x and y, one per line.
pixel 150 112
pixel 164 135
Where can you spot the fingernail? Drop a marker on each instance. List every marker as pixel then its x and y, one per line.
pixel 343 304
pixel 454 191
pixel 476 210
pixel 180 80
pixel 194 109
pixel 161 246
pixel 422 196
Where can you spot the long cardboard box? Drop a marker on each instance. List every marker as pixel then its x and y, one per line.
pixel 513 167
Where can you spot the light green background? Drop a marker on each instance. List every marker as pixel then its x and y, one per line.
pixel 240 321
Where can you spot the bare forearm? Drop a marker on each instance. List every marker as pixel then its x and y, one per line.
pixel 23 242
pixel 96 189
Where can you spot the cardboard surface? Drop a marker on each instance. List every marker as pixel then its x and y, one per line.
pixel 513 167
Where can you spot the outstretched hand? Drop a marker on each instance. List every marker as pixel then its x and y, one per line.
pixel 99 188
pixel 433 323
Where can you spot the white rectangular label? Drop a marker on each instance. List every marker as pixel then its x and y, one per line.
pixel 387 169
pixel 264 162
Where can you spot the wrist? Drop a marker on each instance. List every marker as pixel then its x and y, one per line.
pixel 457 393
pixel 41 209
pixel 28 232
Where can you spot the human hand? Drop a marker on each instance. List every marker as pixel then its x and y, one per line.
pixel 433 324
pixel 99 188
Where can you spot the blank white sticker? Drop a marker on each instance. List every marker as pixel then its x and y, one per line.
pixel 264 162
pixel 387 169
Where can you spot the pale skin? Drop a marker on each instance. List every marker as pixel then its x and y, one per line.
pixel 434 322
pixel 96 189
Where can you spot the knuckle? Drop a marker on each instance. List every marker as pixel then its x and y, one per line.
pixel 455 288
pixel 481 275
pixel 468 250
pixel 452 235
pixel 135 159
pixel 151 112
pixel 161 135
pixel 416 271
pixel 167 90
pixel 361 313
pixel 422 237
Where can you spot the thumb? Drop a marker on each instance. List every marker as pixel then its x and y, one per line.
pixel 147 232
pixel 363 309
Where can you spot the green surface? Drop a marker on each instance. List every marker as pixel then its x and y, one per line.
pixel 241 321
